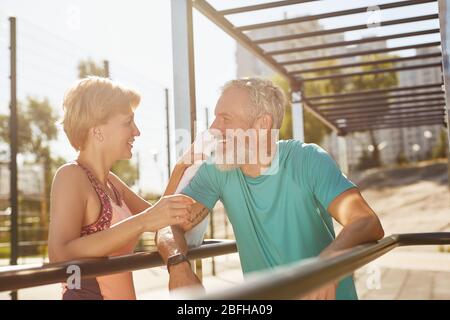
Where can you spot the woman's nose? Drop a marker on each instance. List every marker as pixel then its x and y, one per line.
pixel 136 132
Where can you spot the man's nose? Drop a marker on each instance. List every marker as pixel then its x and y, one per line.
pixel 216 127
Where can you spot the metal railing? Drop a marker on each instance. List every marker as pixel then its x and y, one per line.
pixel 300 278
pixel 281 283
pixel 26 276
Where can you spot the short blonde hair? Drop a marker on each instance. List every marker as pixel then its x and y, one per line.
pixel 91 102
pixel 266 97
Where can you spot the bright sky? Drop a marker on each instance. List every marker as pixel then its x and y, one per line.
pixel 135 36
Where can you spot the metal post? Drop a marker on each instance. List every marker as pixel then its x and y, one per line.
pixel 13 138
pixel 167 132
pixel 183 80
pixel 343 160
pixel 298 131
pixel 211 221
pixel 444 19
pixel 183 74
pixel 106 68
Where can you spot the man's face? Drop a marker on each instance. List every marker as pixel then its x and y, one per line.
pixel 231 125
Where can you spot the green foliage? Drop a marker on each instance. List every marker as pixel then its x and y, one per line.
pixel 441 150
pixel 315 130
pixel 89 67
pixel 126 171
pixel 401 159
pixel 286 126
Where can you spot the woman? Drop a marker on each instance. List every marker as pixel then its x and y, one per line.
pixel 93 213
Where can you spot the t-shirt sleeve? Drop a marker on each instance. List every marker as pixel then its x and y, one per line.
pixel 325 178
pixel 204 186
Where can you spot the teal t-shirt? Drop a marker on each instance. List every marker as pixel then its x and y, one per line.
pixel 279 217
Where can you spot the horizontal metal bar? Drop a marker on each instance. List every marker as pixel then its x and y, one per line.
pixel 18 277
pixel 398 121
pixel 368 63
pixel 362 53
pixel 320 33
pixel 275 4
pixel 330 15
pixel 331 110
pixel 208 11
pixel 379 98
pixel 377 91
pixel 387 118
pixel 338 115
pixel 395 126
pixel 363 73
pixel 399 110
pixel 289 282
pixel 352 42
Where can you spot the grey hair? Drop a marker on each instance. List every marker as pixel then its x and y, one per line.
pixel 266 97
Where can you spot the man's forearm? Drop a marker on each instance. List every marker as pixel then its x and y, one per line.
pixel 363 230
pixel 170 241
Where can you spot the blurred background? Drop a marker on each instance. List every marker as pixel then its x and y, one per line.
pixel 403 172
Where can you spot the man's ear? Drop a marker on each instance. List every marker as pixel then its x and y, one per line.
pixel 266 122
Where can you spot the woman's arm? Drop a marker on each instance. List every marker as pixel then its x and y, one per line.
pixel 135 203
pixel 68 207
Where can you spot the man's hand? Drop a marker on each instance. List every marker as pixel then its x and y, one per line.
pixel 182 276
pixel 327 292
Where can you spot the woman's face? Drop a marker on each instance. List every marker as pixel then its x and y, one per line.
pixel 118 135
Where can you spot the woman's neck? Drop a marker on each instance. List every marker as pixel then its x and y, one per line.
pixel 97 164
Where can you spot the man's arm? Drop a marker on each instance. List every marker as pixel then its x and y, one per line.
pixel 171 241
pixel 360 225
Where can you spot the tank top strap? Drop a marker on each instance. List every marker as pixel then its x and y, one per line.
pixel 105 216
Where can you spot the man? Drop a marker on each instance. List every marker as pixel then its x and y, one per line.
pixel 281 209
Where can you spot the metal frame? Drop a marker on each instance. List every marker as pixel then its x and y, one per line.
pixel 302 66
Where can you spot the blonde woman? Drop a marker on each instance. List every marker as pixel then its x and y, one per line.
pixel 93 213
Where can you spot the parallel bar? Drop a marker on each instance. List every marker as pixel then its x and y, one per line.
pixel 378 98
pixel 392 111
pixel 296 280
pixel 316 113
pixel 330 110
pixel 361 53
pixel 378 91
pixel 395 126
pixel 343 29
pixel 329 15
pixel 352 42
pixel 368 63
pixel 363 73
pixel 398 120
pixel 208 11
pixel 269 5
pixel 19 277
pixel 339 115
pixel 387 118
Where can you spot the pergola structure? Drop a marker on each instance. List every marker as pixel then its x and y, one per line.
pixel 347 112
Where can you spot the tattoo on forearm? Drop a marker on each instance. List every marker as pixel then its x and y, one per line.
pixel 200 215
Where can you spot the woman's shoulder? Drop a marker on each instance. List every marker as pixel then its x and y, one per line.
pixel 70 174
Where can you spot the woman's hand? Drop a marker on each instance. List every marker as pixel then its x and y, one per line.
pixel 169 210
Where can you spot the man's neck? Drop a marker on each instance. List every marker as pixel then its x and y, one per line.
pixel 255 170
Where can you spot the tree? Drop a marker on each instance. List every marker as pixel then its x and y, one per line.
pixel 314 129
pixel 37 128
pixel 126 171
pixel 441 150
pixel 89 67
pixel 374 82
